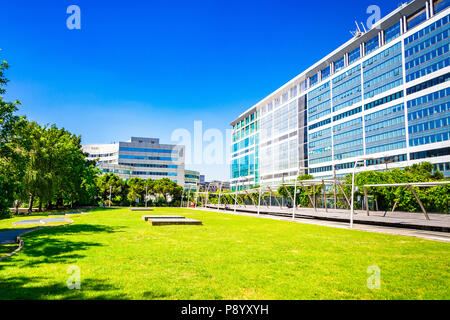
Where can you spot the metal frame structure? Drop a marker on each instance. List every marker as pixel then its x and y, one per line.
pixel 410 187
pixel 307 186
pixel 272 190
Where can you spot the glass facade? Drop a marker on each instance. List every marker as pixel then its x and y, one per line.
pixel 390 102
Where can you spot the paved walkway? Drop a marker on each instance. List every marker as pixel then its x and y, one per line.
pixel 437 222
pixel 409 232
pixel 10 236
pixel 41 221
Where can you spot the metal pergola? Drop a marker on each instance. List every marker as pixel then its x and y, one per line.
pixel 405 185
pixel 306 185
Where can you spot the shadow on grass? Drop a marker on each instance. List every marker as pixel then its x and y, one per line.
pixel 47 245
pixel 38 288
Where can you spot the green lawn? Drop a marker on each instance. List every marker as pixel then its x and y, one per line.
pixel 230 257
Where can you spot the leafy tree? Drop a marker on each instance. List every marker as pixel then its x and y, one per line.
pixel 435 199
pixel 136 190
pixel 111 181
pixel 11 158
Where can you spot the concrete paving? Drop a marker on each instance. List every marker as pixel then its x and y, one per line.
pixel 168 222
pixel 409 232
pixel 41 221
pixel 145 218
pixel 438 221
pixel 10 236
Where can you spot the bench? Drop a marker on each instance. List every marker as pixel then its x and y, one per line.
pixel 146 218
pixel 170 222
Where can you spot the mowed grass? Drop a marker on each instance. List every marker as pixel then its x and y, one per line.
pixel 230 257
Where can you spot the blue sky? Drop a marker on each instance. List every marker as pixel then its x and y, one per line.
pixel 146 68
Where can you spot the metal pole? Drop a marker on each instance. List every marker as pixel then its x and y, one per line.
pixel 146 196
pixel 295 200
pixel 187 202
pixel 259 199
pixel 110 196
pixel 334 189
pixel 353 191
pixel 181 202
pixel 324 194
pixel 220 191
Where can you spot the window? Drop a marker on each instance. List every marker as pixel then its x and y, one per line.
pixel 372 45
pixel 392 32
pixel 416 18
pixel 314 79
pixel 339 64
pixel 293 92
pixel 440 5
pixel 325 72
pixel 384 100
pixel 428 84
pixel 355 55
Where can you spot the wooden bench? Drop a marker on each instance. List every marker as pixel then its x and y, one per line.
pixel 141 209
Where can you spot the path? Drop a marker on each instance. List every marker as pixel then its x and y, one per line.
pixel 409 232
pixel 10 236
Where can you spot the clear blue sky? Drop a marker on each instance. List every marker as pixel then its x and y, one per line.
pixel 146 68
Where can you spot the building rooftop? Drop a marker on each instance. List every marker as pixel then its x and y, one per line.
pixel 405 9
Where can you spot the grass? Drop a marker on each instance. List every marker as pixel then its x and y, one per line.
pixel 7 248
pixel 230 257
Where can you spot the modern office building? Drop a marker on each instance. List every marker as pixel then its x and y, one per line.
pixel 383 95
pixel 191 180
pixel 140 157
pixel 215 185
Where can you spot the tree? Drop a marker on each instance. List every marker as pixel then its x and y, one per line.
pixel 136 190
pixel 435 199
pixel 111 182
pixel 11 158
pixel 168 190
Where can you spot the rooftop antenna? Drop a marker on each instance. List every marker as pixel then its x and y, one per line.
pixel 357 33
pixel 364 27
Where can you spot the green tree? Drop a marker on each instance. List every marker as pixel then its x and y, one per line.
pixel 11 157
pixel 111 182
pixel 136 190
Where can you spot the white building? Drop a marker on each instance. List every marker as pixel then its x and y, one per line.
pixel 384 94
pixel 140 157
